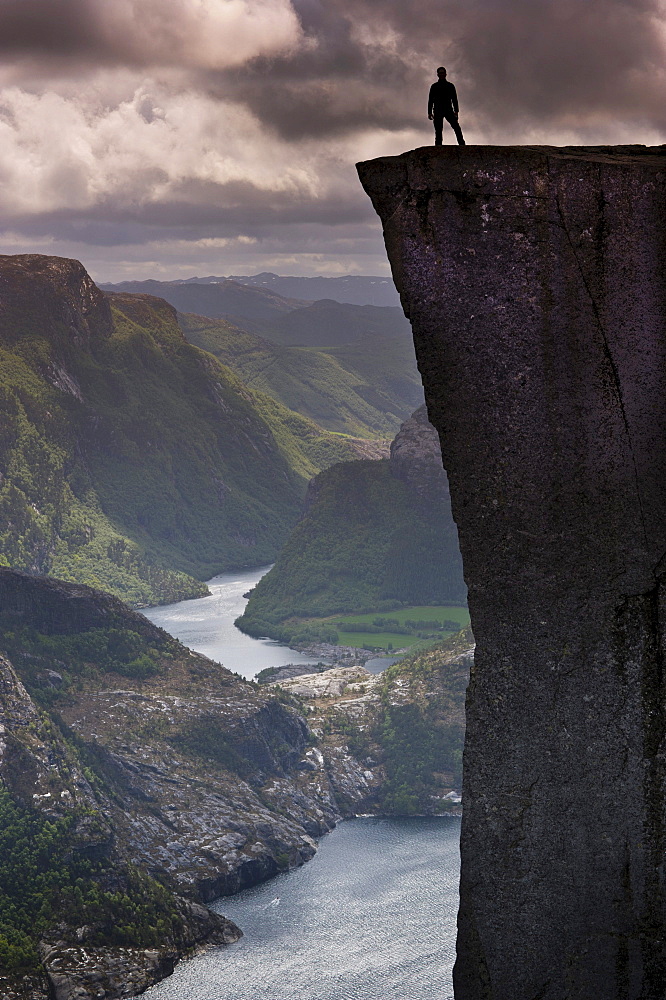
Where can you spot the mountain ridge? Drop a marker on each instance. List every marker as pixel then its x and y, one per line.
pixel 347 389
pixel 353 289
pixel 324 322
pixel 373 535
pixel 129 458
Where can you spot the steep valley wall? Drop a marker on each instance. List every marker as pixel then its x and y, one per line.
pixel 534 278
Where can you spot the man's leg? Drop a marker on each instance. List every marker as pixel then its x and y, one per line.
pixel 438 122
pixel 453 122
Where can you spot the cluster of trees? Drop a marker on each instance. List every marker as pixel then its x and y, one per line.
pixel 408 627
pixel 81 655
pixel 291 633
pixel 422 738
pixel 44 880
pixel 414 749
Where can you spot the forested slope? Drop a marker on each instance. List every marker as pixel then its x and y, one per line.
pixel 130 459
pixel 374 535
pixel 363 388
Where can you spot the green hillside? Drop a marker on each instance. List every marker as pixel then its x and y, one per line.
pixel 261 310
pixel 374 536
pixel 360 389
pixel 130 459
pixel 367 542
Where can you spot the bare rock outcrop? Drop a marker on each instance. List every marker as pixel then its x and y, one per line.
pixel 535 281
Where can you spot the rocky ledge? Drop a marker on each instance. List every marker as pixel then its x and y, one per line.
pixel 534 280
pixel 78 969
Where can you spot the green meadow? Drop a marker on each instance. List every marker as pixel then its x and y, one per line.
pixel 443 614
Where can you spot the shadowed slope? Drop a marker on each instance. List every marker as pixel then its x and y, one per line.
pixel 130 458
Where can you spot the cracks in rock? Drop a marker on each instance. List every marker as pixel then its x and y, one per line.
pixel 607 353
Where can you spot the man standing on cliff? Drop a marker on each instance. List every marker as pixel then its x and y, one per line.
pixel 443 103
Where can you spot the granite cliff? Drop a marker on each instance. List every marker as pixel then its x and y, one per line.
pixel 534 279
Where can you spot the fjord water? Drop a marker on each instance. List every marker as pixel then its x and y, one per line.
pixel 206 624
pixel 371 917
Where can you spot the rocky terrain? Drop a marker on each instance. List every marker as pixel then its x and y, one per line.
pixel 162 781
pixel 404 726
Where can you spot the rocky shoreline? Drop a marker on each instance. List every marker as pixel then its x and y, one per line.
pixel 344 655
pixel 198 782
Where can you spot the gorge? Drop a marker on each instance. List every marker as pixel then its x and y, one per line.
pixel 534 279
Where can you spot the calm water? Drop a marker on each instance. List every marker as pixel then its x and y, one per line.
pixel 371 917
pixel 207 625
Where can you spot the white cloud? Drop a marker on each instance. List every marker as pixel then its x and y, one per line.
pixel 62 152
pixel 210 34
pixel 205 131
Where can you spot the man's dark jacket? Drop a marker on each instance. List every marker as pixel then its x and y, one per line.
pixel 442 99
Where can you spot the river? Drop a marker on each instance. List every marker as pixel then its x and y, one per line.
pixel 206 624
pixel 371 917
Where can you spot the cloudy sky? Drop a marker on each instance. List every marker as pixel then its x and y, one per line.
pixel 166 138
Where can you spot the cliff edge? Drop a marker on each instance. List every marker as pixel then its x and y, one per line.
pixel 534 278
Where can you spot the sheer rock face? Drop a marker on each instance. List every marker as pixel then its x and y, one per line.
pixel 534 280
pixel 53 294
pixel 416 457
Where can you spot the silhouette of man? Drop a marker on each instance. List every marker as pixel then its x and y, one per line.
pixel 443 103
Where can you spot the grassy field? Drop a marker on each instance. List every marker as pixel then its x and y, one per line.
pixel 395 640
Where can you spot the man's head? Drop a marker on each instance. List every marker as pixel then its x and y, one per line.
pixel 441 73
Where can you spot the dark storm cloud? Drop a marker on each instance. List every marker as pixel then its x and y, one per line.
pixel 335 83
pixel 197 211
pixel 530 61
pixel 365 63
pixel 61 28
pixel 143 33
pixel 576 58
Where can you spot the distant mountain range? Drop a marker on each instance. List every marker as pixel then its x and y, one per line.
pixel 289 321
pixel 360 290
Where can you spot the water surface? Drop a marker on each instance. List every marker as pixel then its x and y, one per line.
pixel 371 917
pixel 206 624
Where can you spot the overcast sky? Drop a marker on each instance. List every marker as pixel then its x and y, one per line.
pixel 166 138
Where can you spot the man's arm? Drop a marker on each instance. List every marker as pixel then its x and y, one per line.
pixel 454 98
pixel 431 100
